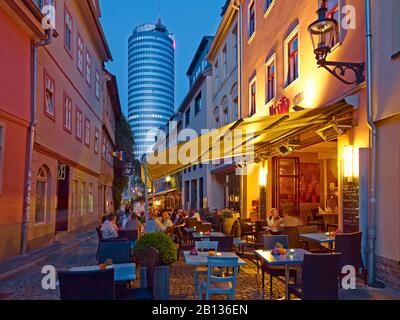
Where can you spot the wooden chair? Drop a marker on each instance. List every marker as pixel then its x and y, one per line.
pixel 269 243
pixel 87 285
pixel 313 220
pixel 225 244
pixel 319 278
pixel 294 238
pixel 182 244
pixel 217 283
pixel 199 271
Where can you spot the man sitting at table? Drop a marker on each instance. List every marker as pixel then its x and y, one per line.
pixel 109 229
pixel 133 223
pixel 288 220
pixel 164 222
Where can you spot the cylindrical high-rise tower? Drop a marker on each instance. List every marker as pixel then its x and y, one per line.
pixel 151 92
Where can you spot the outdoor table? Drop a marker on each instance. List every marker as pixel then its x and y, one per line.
pixel 122 272
pixel 198 235
pixel 237 242
pixel 320 238
pixel 284 260
pixel 272 229
pixel 201 258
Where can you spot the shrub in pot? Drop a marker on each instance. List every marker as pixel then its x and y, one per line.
pixel 167 256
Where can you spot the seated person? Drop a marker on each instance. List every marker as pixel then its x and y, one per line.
pixel 273 217
pixel 180 218
pixel 109 229
pixel 288 221
pixel 163 223
pixel 195 215
pixel 133 223
pixel 150 226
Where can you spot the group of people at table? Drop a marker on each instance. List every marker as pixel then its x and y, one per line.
pixel 133 218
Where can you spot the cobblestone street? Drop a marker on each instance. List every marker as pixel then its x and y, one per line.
pixel 27 285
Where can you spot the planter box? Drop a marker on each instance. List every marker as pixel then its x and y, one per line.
pixel 227 225
pixel 161 281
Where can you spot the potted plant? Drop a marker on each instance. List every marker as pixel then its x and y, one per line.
pixel 228 218
pixel 167 256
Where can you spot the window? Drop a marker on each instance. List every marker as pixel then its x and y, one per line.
pixel 103 148
pixel 252 19
pixel 97 85
pixel 68 32
pixel 96 141
pixel 41 199
pixel 87 132
pixel 225 111
pixel 271 80
pixel 88 68
pixel 78 124
pixel 216 76
pixel 49 97
pixel 82 198
pixel 267 5
pixel 1 156
pixel 253 97
pixel 225 58
pixel 187 117
pixel 216 116
pixel 333 13
pixel 90 199
pixel 292 59
pixel 67 114
pixel 197 104
pixel 235 101
pixel 235 43
pixel 80 54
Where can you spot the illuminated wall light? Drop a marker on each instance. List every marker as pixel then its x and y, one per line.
pixel 168 179
pixel 263 174
pixel 309 93
pixel 351 166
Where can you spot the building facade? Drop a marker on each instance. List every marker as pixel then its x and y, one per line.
pixel 151 94
pixel 67 158
pixel 386 107
pixel 196 115
pixel 20 26
pixel 224 57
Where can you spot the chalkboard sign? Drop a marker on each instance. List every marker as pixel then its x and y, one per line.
pixel 351 206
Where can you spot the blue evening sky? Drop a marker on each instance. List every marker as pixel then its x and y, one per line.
pixel 189 20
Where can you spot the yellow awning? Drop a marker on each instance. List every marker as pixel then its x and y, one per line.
pixel 240 138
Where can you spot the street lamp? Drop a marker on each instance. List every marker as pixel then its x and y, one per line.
pixel 323 32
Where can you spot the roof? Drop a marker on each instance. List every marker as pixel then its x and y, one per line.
pixel 205 41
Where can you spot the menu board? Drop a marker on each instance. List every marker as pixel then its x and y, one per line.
pixel 351 206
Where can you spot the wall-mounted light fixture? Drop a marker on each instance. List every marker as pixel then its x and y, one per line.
pixel 168 179
pixel 323 32
pixel 263 173
pixel 350 163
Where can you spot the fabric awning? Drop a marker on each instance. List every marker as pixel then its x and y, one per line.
pixel 241 138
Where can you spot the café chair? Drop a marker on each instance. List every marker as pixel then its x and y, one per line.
pixel 119 251
pixel 269 243
pixel 217 283
pixel 87 285
pixel 319 278
pixel 225 244
pixel 200 271
pixel 310 246
pixel 148 292
pixel 294 238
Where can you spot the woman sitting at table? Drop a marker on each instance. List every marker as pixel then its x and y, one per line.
pixel 273 217
pixel 195 215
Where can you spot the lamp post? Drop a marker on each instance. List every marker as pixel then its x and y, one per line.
pixel 323 32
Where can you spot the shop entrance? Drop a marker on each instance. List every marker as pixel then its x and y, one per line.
pixel 62 198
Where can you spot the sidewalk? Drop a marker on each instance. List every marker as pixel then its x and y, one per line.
pixel 19 264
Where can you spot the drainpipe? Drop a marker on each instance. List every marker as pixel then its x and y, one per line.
pixel 30 141
pixel 373 139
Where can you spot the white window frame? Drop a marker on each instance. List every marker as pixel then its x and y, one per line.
pixel 271 60
pixel 67 110
pixel 80 54
pixel 251 83
pixel 268 10
pixel 291 36
pixel 251 36
pixel 97 85
pixel 88 74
